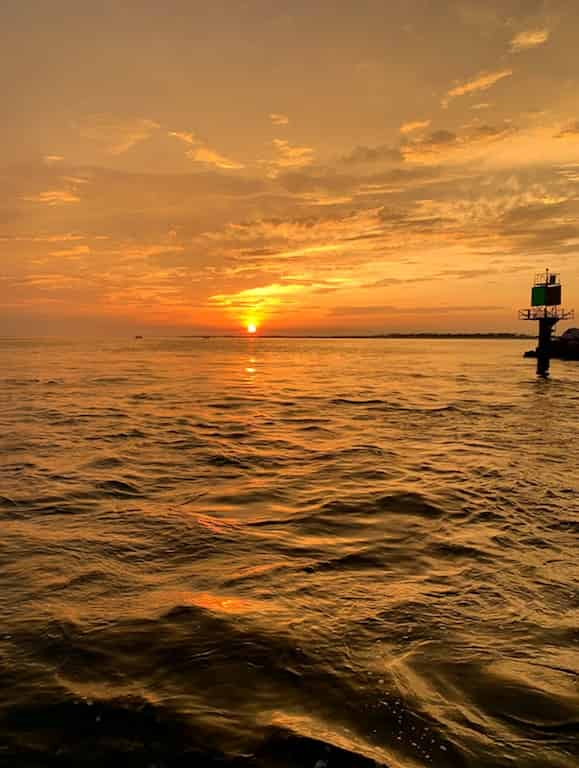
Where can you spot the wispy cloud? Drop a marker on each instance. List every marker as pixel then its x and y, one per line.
pixel 386 310
pixel 570 132
pixel 75 180
pixel 199 152
pixel 75 252
pixel 444 143
pixel 529 39
pixel 268 246
pixel 482 82
pixel 277 118
pixel 53 197
pixel 261 293
pixel 211 157
pixel 55 282
pixel 414 126
pixel 259 302
pixel 433 142
pixel 290 156
pixel 115 135
pixel 65 237
pixel 382 153
pixel 187 137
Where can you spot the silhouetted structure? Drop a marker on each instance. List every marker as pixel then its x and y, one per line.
pixel 546 308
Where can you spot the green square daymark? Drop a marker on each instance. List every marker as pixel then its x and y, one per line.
pixel 539 296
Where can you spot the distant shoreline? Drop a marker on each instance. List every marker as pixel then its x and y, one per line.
pixel 425 336
pixel 471 336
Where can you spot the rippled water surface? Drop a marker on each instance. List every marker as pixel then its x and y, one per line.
pixel 258 552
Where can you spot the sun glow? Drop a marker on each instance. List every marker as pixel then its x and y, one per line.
pixel 251 328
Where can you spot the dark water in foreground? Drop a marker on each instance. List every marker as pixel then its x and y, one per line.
pixel 287 553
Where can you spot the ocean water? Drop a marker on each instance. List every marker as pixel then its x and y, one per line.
pixel 283 553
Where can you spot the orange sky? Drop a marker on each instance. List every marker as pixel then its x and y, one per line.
pixel 327 167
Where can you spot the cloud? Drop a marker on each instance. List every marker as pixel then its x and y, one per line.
pixel 188 137
pixel 256 294
pixel 425 148
pixel 390 282
pixel 417 221
pixel 529 39
pixel 72 253
pixel 314 198
pixel 542 225
pixel 199 152
pixel 465 274
pixel 443 142
pixel 55 282
pixel 327 181
pixel 570 132
pixel 347 311
pixel 65 237
pixel 570 172
pixel 414 126
pixel 482 82
pixel 74 180
pixel 290 156
pixel 440 137
pixel 277 118
pixel 211 157
pixel 397 224
pixel 115 135
pixel 386 309
pixel 489 133
pixel 361 155
pixel 53 197
pixel 261 301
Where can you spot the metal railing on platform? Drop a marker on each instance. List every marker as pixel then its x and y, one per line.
pixel 555 313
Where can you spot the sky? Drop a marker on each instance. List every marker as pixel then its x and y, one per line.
pixel 360 166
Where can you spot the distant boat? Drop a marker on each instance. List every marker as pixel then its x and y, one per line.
pixel 138 337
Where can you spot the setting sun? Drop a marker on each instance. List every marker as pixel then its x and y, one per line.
pixel 251 327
